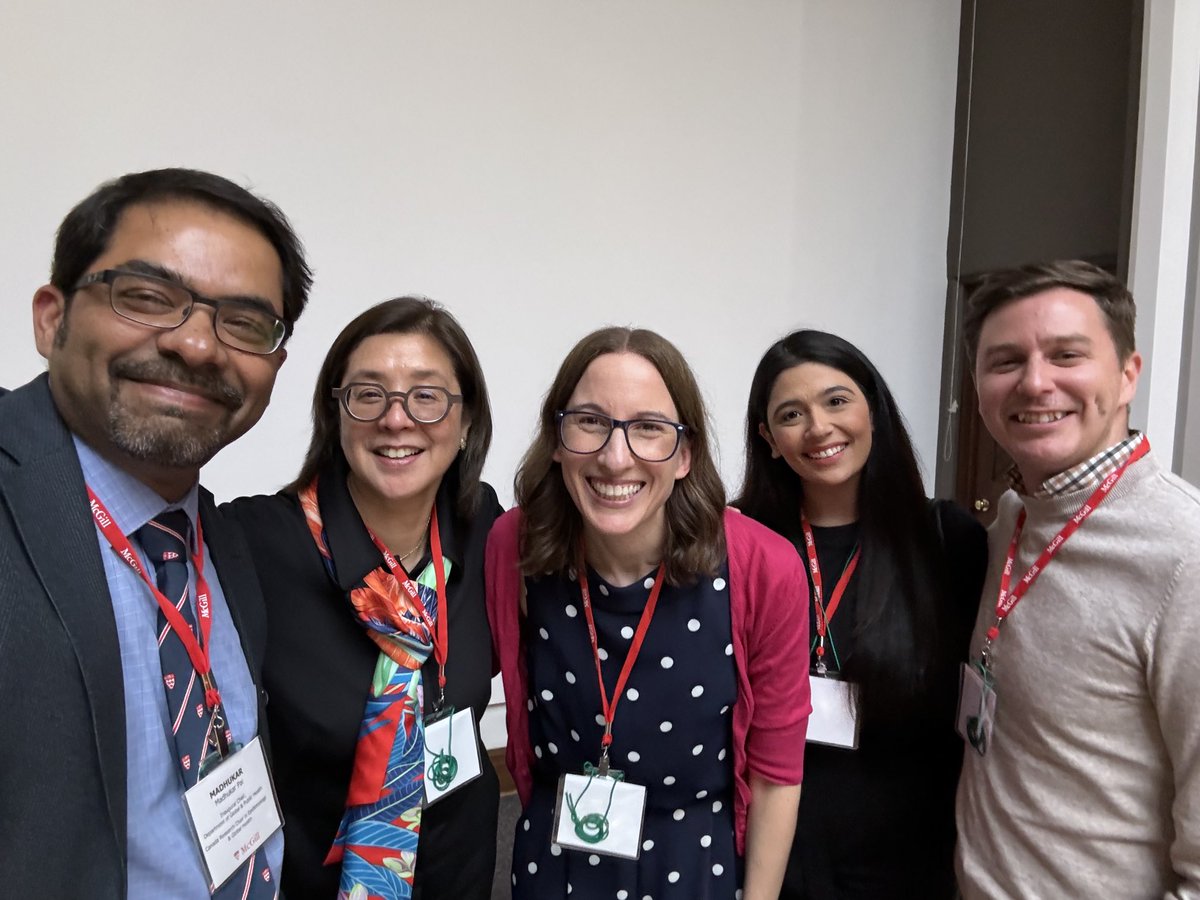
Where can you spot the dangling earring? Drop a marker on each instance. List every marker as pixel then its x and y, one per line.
pixel 462 443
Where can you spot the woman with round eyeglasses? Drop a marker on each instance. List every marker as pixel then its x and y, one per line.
pixel 895 582
pixel 654 702
pixel 378 662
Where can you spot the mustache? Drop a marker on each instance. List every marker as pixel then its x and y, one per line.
pixel 171 372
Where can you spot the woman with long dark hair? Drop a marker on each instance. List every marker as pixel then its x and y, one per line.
pixel 895 585
pixel 655 684
pixel 378 653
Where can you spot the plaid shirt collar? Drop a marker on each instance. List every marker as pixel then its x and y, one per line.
pixel 1087 475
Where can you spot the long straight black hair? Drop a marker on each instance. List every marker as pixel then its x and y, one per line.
pixel 900 644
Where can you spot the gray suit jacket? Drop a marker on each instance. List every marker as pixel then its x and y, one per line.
pixel 63 766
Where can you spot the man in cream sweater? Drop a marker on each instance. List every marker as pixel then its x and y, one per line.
pixel 1082 701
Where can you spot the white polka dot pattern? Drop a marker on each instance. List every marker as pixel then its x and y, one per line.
pixel 686 658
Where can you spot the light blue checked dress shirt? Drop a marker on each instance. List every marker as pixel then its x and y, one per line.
pixel 164 859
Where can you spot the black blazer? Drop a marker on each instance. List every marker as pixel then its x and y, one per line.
pixel 62 755
pixel 318 671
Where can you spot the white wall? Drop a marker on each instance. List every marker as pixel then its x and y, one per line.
pixel 1163 228
pixel 722 172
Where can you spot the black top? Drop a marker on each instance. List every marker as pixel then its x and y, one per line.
pixel 878 822
pixel 835 545
pixel 318 669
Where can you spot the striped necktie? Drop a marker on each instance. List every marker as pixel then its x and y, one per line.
pixel 165 540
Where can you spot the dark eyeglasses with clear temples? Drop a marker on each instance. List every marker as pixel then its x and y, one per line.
pixel 650 440
pixel 161 303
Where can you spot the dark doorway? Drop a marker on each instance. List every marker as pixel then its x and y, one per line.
pixel 1045 135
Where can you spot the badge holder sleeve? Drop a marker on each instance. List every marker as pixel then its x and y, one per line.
pixel 220 810
pixel 976 707
pixel 451 753
pixel 834 721
pixel 624 816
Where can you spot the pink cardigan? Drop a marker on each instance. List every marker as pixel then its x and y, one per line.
pixel 768 591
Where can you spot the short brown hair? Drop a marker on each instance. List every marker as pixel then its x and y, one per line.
pixel 404 315
pixel 1004 286
pixel 551 524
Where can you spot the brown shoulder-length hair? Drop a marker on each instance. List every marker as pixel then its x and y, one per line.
pixel 551 525
pixel 404 315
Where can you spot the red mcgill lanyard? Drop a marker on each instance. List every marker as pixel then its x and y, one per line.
pixel 197 651
pixel 1008 599
pixel 610 708
pixel 439 631
pixel 825 616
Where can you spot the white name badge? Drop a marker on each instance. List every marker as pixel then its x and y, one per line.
pixel 976 708
pixel 598 814
pixel 451 754
pixel 233 811
pixel 834 719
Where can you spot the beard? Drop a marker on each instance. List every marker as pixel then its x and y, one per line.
pixel 176 445
pixel 169 438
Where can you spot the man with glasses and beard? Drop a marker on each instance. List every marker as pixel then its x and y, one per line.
pixel 131 626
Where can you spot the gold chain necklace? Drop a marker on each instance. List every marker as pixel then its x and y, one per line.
pixel 419 544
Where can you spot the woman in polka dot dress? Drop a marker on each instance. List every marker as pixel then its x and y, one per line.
pixel 622 595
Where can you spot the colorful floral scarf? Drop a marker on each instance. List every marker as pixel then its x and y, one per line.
pixel 376 842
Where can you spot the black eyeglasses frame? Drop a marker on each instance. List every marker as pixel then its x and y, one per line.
pixel 283 328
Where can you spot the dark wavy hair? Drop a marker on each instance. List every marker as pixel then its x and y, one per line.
pixel 900 645
pixel 551 524
pixel 86 231
pixel 404 315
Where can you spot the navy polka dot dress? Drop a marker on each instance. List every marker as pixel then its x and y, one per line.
pixel 672 734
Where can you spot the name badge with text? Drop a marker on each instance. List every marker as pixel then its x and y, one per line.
pixel 233 810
